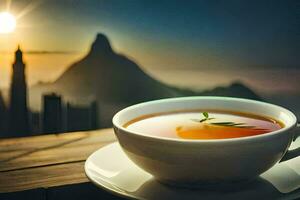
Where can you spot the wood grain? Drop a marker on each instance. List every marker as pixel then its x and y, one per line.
pixel 48 160
pixel 51 149
pixel 42 177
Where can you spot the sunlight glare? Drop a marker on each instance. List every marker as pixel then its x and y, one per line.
pixel 7 22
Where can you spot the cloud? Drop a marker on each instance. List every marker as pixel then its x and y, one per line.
pixel 50 52
pixel 42 52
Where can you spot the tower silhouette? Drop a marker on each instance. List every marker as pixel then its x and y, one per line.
pixel 18 111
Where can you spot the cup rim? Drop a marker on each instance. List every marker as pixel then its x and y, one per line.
pixel 180 140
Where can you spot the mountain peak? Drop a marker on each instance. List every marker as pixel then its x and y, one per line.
pixel 101 45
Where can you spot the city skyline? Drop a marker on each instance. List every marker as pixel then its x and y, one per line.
pixel 56 114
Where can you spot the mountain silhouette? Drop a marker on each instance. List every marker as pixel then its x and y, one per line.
pixel 236 89
pixel 110 76
pixel 115 81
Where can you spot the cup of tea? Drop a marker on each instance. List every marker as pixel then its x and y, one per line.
pixel 193 140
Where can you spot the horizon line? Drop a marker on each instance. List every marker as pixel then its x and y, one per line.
pixel 43 52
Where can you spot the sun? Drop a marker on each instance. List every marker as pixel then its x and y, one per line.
pixel 7 22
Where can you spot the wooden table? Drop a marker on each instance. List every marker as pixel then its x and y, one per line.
pixel 50 166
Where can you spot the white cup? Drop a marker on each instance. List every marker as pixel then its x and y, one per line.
pixel 190 162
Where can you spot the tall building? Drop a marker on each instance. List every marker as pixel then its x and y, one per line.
pixel 18 111
pixel 3 118
pixel 52 113
pixel 81 117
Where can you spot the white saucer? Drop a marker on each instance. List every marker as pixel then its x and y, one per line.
pixel 110 169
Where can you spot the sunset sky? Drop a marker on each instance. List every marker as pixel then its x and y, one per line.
pixel 216 40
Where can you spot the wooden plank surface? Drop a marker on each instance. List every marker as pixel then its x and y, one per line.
pixel 44 150
pixel 42 177
pixel 48 160
pixel 79 191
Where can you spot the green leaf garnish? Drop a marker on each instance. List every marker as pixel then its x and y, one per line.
pixel 205 114
pixel 206 117
pixel 227 123
pixel 237 125
pixel 233 124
